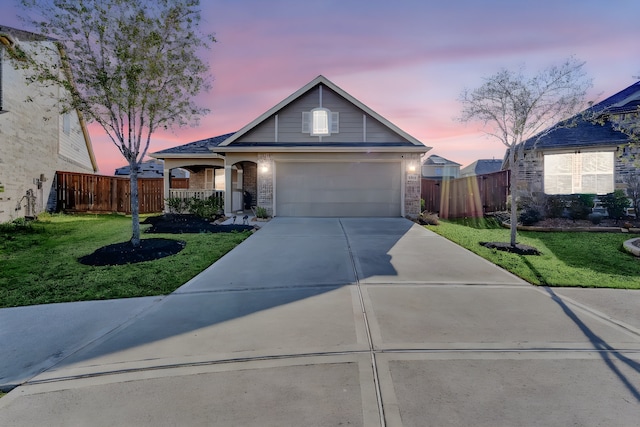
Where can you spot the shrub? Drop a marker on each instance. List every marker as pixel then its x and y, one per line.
pixel 616 204
pixel 176 204
pixel 580 205
pixel 555 206
pixel 530 216
pixel 595 218
pixel 428 218
pixel 204 208
pixel 261 212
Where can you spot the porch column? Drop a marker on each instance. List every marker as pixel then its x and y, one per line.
pixel 228 190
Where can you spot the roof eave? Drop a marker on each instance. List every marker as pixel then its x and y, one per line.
pixel 368 149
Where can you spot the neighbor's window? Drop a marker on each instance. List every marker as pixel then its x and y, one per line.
pixel 319 122
pixel 574 173
pixel 66 123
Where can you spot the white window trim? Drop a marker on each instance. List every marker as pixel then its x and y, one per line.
pixel 331 126
pixel 575 173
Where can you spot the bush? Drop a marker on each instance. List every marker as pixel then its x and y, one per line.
pixel 580 205
pixel 616 204
pixel 261 212
pixel 595 218
pixel 204 208
pixel 176 205
pixel 428 218
pixel 555 206
pixel 530 216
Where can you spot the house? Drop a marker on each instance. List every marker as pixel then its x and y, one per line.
pixel 436 167
pixel 151 169
pixel 320 152
pixel 481 167
pixel 584 154
pixel 35 139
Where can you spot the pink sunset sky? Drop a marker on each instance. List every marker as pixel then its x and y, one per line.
pixel 408 60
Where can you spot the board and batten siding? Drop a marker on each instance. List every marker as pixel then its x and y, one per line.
pixel 351 130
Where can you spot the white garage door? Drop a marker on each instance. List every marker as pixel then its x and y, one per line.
pixel 338 189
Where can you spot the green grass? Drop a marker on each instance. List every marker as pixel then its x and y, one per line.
pixel 38 262
pixel 568 258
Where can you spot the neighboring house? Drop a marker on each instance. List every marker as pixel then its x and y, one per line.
pixel 320 152
pixel 588 156
pixel 151 169
pixel 35 139
pixel 436 167
pixel 481 167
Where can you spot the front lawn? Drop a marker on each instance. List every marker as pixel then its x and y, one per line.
pixel 567 258
pixel 38 262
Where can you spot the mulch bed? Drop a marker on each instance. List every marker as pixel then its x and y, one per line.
pixel 185 223
pixel 155 248
pixel 126 253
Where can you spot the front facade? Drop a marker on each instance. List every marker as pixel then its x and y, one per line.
pixel 35 139
pixel 586 154
pixel 320 152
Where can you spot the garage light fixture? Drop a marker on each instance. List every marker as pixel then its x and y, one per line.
pixel 264 168
pixel 412 168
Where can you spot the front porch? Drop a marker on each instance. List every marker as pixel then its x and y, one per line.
pixel 232 186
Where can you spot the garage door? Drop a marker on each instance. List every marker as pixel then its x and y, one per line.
pixel 338 189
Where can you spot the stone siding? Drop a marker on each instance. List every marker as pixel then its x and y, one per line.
pixel 265 182
pixel 412 188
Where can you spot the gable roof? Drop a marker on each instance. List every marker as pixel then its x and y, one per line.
pixel 434 159
pixel 321 80
pixel 586 132
pixel 482 166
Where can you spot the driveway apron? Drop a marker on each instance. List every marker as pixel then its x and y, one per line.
pixel 349 321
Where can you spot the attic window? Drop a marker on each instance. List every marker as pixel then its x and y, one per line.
pixel 320 122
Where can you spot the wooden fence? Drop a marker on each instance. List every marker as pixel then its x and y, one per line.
pixel 467 197
pixel 78 192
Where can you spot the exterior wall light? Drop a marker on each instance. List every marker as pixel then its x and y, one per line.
pixel 411 168
pixel 264 168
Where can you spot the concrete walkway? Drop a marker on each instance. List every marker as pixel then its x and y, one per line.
pixel 321 322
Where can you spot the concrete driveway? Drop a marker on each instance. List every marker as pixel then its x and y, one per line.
pixel 318 322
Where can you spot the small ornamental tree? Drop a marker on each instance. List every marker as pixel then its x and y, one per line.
pixel 130 66
pixel 514 108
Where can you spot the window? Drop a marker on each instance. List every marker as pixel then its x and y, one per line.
pixel 209 175
pixel 320 122
pixel 575 173
pixel 66 123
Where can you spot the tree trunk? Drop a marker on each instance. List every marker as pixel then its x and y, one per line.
pixel 135 209
pixel 513 189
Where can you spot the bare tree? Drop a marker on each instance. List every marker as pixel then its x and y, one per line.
pixel 136 68
pixel 514 108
